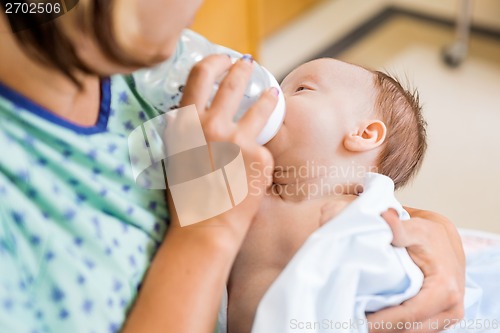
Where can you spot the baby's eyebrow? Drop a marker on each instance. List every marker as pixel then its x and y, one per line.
pixel 317 81
pixel 300 78
pixel 310 78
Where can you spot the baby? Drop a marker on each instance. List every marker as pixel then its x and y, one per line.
pixel 342 121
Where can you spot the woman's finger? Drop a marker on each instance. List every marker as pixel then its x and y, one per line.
pixel 451 230
pixel 253 121
pixel 231 89
pixel 418 314
pixel 201 80
pixel 400 237
pixel 441 298
pixel 415 232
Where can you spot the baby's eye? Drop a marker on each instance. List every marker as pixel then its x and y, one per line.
pixel 300 88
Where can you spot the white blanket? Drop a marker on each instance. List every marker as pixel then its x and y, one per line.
pixel 482 289
pixel 348 267
pixel 344 269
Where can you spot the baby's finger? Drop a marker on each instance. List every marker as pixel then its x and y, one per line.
pixel 253 121
pixel 200 83
pixel 335 207
pixel 329 211
pixel 232 88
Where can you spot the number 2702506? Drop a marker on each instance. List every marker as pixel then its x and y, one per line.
pixel 32 8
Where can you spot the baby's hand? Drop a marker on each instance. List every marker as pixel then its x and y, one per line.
pixel 335 206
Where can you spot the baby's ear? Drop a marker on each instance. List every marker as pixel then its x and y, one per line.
pixel 370 135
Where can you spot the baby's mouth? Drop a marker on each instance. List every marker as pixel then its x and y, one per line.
pixel 271 144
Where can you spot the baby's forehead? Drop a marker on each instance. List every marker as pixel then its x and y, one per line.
pixel 334 72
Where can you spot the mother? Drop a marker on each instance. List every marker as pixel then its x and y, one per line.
pixel 77 236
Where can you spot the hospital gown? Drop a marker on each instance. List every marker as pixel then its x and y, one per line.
pixel 76 233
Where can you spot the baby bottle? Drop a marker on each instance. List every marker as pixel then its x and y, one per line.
pixel 163 84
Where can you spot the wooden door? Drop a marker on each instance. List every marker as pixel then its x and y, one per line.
pixel 243 24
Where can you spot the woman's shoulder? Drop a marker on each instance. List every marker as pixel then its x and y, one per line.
pixel 127 104
pixel 71 210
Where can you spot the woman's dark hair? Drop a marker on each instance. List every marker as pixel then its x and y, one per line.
pixel 43 38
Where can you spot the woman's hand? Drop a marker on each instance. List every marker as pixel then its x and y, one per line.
pixel 218 126
pixel 185 283
pixel 435 246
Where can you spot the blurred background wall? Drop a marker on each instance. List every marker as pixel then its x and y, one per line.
pixel 461 172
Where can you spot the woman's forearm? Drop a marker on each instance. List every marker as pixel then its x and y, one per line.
pixel 183 288
pixel 184 285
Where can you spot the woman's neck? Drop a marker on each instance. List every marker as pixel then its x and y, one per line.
pixel 47 86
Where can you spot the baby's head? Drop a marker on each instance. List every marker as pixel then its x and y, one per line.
pixel 347 117
pixel 405 144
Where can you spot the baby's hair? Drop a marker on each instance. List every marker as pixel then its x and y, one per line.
pixel 406 141
pixel 49 44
